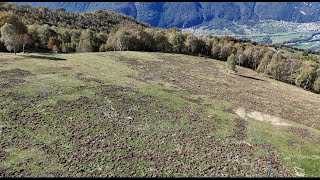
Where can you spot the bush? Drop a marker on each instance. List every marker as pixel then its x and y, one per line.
pixel 102 48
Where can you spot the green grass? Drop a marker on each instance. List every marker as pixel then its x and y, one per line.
pixel 18 157
pixel 281 39
pixel 294 157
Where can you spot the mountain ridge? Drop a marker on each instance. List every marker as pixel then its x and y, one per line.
pixel 188 14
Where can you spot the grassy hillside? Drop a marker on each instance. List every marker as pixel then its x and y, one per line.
pixel 150 114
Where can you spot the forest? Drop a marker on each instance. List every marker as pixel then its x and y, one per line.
pixel 28 29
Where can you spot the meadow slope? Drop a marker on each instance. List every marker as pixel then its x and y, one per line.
pixel 150 114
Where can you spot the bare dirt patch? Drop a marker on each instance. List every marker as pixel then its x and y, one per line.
pixel 294 144
pixel 304 133
pixel 14 96
pixel 14 73
pixel 262 117
pixel 265 117
pixel 8 83
pixel 241 112
pixel 3 154
pixel 196 101
pixel 299 172
pixel 54 70
pixel 13 77
pixel 240 130
pixel 87 79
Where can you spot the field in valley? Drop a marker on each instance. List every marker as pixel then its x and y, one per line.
pixel 304 35
pixel 150 114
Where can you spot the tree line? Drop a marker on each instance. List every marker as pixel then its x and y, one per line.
pixel 280 64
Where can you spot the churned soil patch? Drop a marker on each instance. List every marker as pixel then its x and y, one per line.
pixel 14 73
pixel 8 83
pixel 120 134
pixel 305 134
pixel 87 79
pixel 294 144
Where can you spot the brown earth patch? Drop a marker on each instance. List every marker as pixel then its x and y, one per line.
pixel 198 101
pixel 87 79
pixel 13 73
pixel 132 62
pixel 55 70
pixel 305 134
pixel 81 88
pixel 5 172
pixel 2 60
pixel 14 96
pixel 240 130
pixel 8 83
pixel 3 154
pixel 293 144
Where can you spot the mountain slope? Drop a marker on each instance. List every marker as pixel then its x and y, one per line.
pixel 188 14
pixel 150 114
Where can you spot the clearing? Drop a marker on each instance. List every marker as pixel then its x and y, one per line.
pixel 149 114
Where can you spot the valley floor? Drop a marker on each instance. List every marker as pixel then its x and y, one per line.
pixel 150 114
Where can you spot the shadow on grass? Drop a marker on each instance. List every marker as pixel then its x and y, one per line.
pixel 249 77
pixel 45 57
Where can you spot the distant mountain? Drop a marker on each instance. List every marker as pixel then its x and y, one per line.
pixel 188 14
pixel 98 21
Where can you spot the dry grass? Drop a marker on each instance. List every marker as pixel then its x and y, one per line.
pixel 147 114
pixel 206 77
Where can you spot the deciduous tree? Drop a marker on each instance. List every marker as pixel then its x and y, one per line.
pixel 11 37
pixel 231 62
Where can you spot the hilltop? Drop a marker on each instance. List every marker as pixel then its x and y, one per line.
pixel 85 33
